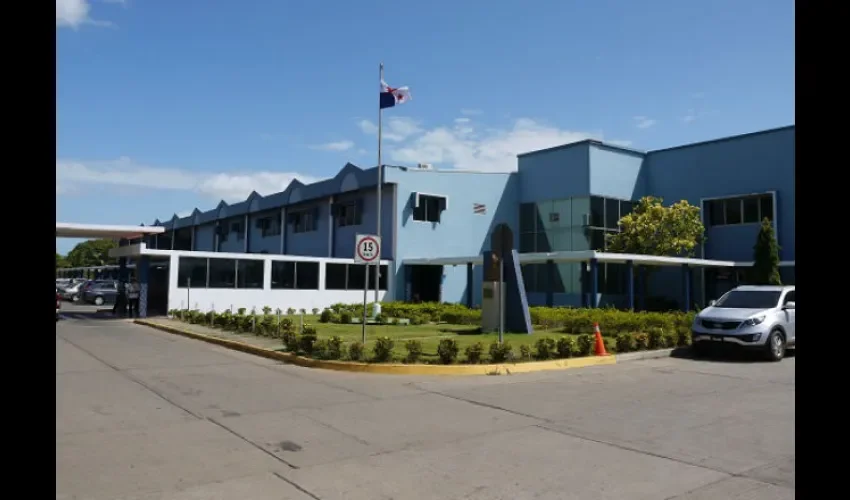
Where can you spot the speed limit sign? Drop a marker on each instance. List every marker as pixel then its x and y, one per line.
pixel 367 249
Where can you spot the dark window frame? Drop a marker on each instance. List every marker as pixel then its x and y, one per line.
pixel 242 269
pixel 304 221
pixel 181 277
pixel 429 209
pixel 218 284
pixel 718 214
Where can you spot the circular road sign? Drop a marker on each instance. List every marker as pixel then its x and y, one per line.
pixel 368 249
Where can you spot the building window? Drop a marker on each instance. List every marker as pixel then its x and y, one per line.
pixel 428 208
pixel 349 214
pixel 335 276
pixel 191 272
pixel 250 273
pixel 304 221
pixel 295 275
pixel 612 213
pixel 739 210
pixel 222 273
pixel 353 277
pixel 269 226
pixel 236 227
pixel 597 212
pixel 223 232
pixel 527 218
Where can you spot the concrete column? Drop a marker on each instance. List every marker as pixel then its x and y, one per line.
pixel 630 283
pixel 142 273
pixel 550 284
pixel 594 283
pixel 686 286
pixel 469 284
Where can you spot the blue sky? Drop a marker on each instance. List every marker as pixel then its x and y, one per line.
pixel 166 105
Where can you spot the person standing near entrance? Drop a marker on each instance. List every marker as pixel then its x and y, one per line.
pixel 133 292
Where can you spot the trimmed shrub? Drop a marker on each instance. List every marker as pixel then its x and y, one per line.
pixel 584 344
pixel 447 351
pixel 414 350
pixel 307 339
pixel 641 341
pixel 345 318
pixel 355 351
pixel 474 353
pixel 320 349
pixel 524 352
pixel 335 347
pixel 565 347
pixel 290 311
pixel 668 341
pixel 625 342
pixel 326 316
pixel 499 353
pixel 383 349
pixel 654 338
pixel 683 337
pixel 544 348
pixel 315 311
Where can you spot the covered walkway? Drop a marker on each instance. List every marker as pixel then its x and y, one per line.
pixel 123 234
pixel 592 259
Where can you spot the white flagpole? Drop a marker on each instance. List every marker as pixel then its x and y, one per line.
pixel 380 184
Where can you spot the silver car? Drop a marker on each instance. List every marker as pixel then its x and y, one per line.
pixel 756 317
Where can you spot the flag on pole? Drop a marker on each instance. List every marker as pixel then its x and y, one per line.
pixel 391 97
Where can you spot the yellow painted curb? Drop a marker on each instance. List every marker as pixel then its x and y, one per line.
pixel 392 368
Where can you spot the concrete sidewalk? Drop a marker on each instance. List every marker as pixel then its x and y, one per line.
pixel 148 415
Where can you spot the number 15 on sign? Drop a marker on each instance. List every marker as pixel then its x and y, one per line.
pixel 367 249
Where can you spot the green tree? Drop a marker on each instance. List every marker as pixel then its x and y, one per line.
pixel 653 229
pixel 91 253
pixel 765 269
pixel 61 261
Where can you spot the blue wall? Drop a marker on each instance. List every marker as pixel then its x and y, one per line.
pixel 345 236
pixel 554 173
pixel 616 173
pixel 460 232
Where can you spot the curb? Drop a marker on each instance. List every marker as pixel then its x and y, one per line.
pixel 637 356
pixel 391 368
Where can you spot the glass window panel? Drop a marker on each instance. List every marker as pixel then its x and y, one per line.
pixel 561 240
pixel 543 243
pixel 526 242
pixel 283 274
pixel 382 282
pixel 626 207
pixel 581 208
pixel 766 203
pixel 597 239
pixel 544 216
pixel 579 239
pixel 357 277
pixel 715 212
pixel 307 275
pixel 192 271
pixel 527 218
pixel 597 211
pixel 564 210
pixel 250 273
pixel 335 276
pixel 612 213
pixel 733 210
pixel 528 278
pixel 222 273
pixel 751 210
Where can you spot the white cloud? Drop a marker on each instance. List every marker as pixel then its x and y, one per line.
pixel 72 175
pixel 469 147
pixel 643 122
pixel 334 146
pixel 462 120
pixel 690 116
pixel 74 13
pixel 396 128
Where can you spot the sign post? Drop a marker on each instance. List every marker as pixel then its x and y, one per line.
pixel 367 250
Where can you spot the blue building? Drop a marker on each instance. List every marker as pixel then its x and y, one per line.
pixel 561 199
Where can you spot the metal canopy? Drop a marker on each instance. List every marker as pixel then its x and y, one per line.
pixel 71 230
pixel 583 256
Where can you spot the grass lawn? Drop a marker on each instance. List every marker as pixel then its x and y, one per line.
pixel 430 336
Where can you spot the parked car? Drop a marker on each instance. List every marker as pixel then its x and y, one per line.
pixel 58 304
pixel 752 317
pixel 101 292
pixel 72 290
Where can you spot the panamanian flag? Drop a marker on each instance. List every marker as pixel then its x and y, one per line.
pixel 391 97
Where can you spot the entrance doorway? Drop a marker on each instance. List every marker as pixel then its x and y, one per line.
pixel 425 283
pixel 158 287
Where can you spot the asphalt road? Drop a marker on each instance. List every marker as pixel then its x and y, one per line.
pixel 146 415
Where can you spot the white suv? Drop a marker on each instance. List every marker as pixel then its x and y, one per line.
pixel 760 317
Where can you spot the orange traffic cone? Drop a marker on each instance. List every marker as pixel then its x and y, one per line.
pixel 599 349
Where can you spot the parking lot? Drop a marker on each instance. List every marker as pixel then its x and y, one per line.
pixel 142 414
